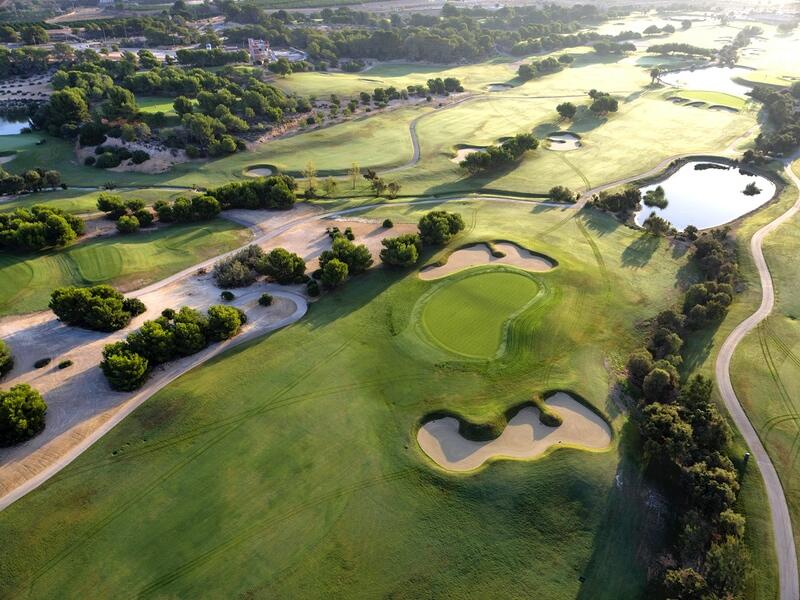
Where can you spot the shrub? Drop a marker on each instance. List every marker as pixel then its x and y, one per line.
pixel 127 224
pixel 560 193
pixel 113 205
pixel 65 364
pixel 265 300
pixel 139 156
pixel 22 412
pixel 42 363
pixel 38 227
pixel 224 322
pixel 282 266
pixel 89 161
pixel 227 296
pixel 238 270
pixel 312 287
pixel 388 224
pixel 6 359
pixel 401 251
pixel 100 308
pixel 107 160
pixel 438 227
pixel 275 192
pixel 357 258
pixel 334 273
pixel 144 216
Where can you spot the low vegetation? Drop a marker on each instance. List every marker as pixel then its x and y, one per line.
pixel 38 228
pixel 6 359
pixel 22 414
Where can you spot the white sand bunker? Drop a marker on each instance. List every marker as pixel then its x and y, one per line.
pixel 480 254
pixel 258 172
pixel 563 141
pixel 524 437
pixel 499 87
pixel 463 153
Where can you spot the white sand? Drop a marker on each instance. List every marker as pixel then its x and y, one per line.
pixel 258 172
pixel 563 142
pixel 524 437
pixel 499 87
pixel 463 153
pixel 472 256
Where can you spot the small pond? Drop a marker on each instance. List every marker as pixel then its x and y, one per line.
pixel 710 79
pixel 10 125
pixel 707 197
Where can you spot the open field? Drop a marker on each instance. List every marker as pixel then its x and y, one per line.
pixel 320 427
pixel 82 202
pixel 128 262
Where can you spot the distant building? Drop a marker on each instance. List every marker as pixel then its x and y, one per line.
pixel 260 51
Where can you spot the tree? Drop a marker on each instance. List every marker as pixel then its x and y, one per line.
pixel 154 341
pixel 685 584
pixel 656 225
pixel 35 35
pixel 114 206
pixel 124 369
pixel 392 189
pixel 686 24
pixel 310 175
pixel 525 72
pixel 67 106
pixel 567 110
pixel 401 251
pixel 640 363
pixel 666 435
pixel 128 224
pixel 660 384
pixel 329 186
pixel 357 258
pixel 99 308
pixel 354 173
pixel 22 412
pixel 334 273
pixel 604 105
pixel 283 266
pixel 438 227
pixel 560 193
pixel 183 105
pixel 727 565
pixel 655 73
pixel 224 322
pixel 6 359
pixel 281 67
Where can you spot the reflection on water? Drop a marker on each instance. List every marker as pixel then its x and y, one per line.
pixel 711 79
pixel 12 125
pixel 707 197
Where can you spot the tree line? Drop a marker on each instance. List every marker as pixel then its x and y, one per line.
pixel 496 157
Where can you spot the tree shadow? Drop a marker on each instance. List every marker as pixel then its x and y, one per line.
pixel 640 251
pixel 600 222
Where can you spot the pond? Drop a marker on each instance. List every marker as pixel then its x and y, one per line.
pixel 710 79
pixel 707 197
pixel 10 125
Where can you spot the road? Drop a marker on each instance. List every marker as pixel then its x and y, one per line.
pixel 781 521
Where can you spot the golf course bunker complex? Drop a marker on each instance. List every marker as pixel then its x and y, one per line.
pixel 481 254
pixel 563 141
pixel 462 153
pixel 525 436
pixel 258 171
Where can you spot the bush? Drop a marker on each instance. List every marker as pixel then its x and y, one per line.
pixel 560 193
pixel 42 363
pixel 401 251
pixel 127 224
pixel 312 287
pixel 265 300
pixel 227 296
pixel 37 228
pixel 124 369
pixel 65 364
pixel 388 224
pixel 334 273
pixel 107 160
pixel 6 359
pixel 144 216
pixel 238 270
pixel 357 258
pixel 438 227
pixel 139 156
pixel 22 412
pixel 99 308
pixel 275 192
pixel 89 161
pixel 282 266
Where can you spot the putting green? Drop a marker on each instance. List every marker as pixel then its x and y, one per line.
pixel 468 316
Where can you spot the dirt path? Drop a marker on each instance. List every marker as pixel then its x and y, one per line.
pixel 781 520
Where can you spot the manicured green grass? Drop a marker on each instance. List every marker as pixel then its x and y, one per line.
pixel 769 78
pixel 712 98
pixel 128 262
pixel 154 104
pixel 304 442
pixel 468 314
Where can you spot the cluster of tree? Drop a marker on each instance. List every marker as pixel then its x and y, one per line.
pixel 623 203
pixel 610 48
pixel 655 29
pixel 567 110
pixel 187 210
pixel 32 180
pixel 6 359
pixel 560 193
pixel 729 54
pixel 602 103
pixel 380 186
pixel 656 197
pixel 543 67
pixel 29 33
pixel 402 251
pixel 23 61
pixel 157 30
pixel 438 227
pixel 108 157
pixel 130 215
pixel 210 58
pixel 274 192
pixel 496 157
pixel 243 267
pixel 343 260
pixel 684 439
pixel 38 227
pixel 22 413
pixel 676 48
pixel 175 334
pixel 780 105
pixel 99 308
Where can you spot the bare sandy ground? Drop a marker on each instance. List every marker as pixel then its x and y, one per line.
pixel 480 254
pixel 524 437
pixel 160 160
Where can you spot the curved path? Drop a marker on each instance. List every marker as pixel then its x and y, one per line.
pixel 781 520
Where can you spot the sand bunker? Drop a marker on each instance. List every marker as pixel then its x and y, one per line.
pixel 724 108
pixel 258 172
pixel 463 153
pixel 563 141
pixel 524 437
pixel 472 256
pixel 499 87
pixel 696 104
